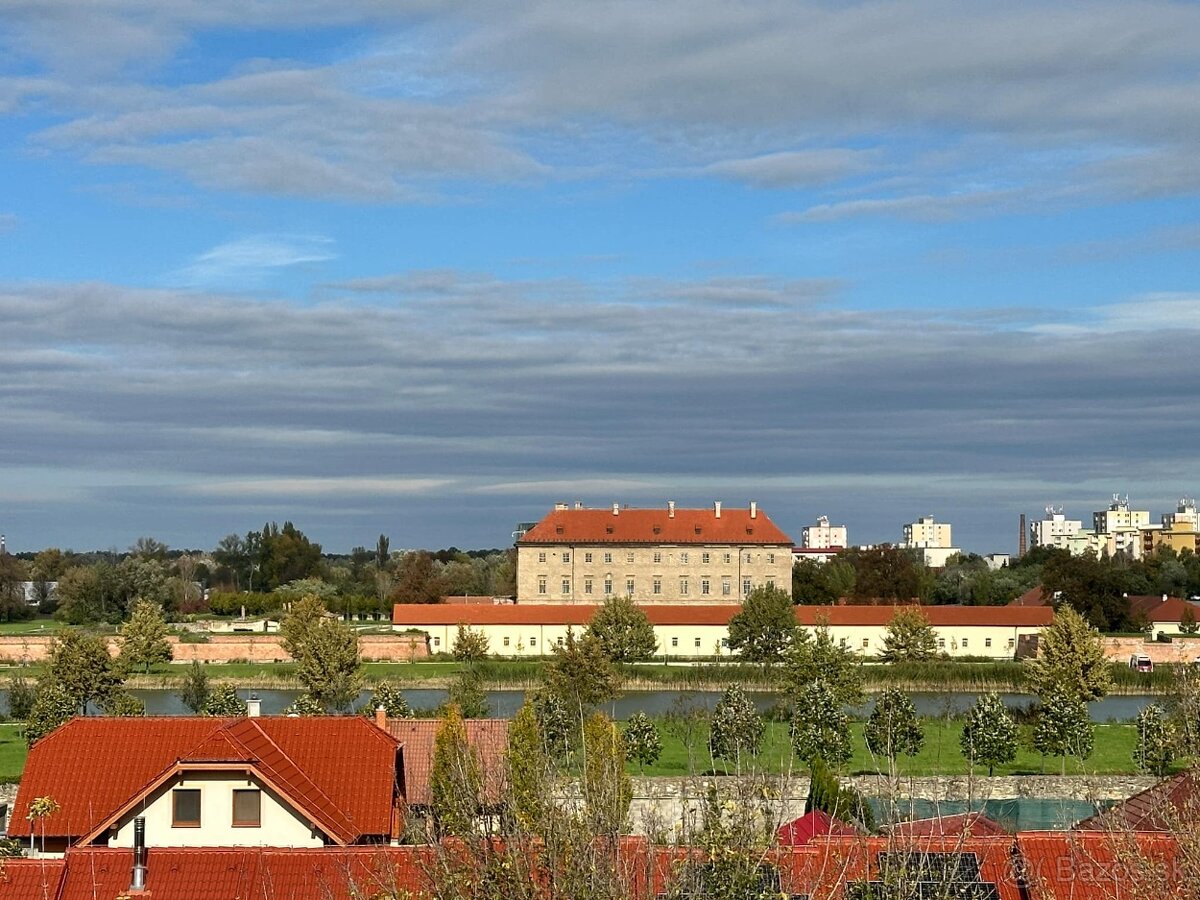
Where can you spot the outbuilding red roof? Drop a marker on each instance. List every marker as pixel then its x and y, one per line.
pixel 799 832
pixel 1156 608
pixel 340 770
pixel 655 526
pixel 1117 865
pixel 974 824
pixel 487 737
pixel 1164 807
pixel 942 616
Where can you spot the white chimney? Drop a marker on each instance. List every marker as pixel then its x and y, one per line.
pixel 579 504
pixel 254 707
pixel 753 509
pixel 670 509
pixel 381 717
pixel 616 509
pixel 717 508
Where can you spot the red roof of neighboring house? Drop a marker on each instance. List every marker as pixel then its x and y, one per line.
pixel 1162 807
pixel 1102 865
pixel 22 879
pixel 580 614
pixel 800 831
pixel 488 737
pixel 1154 608
pixel 340 770
pixel 1032 597
pixel 655 526
pixel 974 824
pixel 222 873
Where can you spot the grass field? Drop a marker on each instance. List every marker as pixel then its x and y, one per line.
pixel 939 756
pixel 12 753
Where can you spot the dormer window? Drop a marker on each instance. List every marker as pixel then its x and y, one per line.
pixel 247 809
pixel 658 529
pixel 608 529
pixel 185 808
pixel 698 529
pixel 558 529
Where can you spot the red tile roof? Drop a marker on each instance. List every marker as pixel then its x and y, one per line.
pixel 1032 597
pixel 580 614
pixel 23 879
pixel 1154 608
pixel 338 770
pixel 488 738
pixel 1163 807
pixel 1104 866
pixel 800 831
pixel 655 526
pixel 975 824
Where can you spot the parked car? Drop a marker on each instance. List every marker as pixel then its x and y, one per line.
pixel 1140 662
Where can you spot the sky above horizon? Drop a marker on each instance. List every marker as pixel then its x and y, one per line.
pixel 425 269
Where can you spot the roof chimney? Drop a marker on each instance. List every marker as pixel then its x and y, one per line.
pixel 254 707
pixel 754 509
pixel 138 883
pixel 579 504
pixel 381 717
pixel 616 509
pixel 670 509
pixel 717 508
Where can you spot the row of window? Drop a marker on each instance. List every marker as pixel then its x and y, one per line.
pixel 684 557
pixel 656 585
pixel 185 808
pixel 964 643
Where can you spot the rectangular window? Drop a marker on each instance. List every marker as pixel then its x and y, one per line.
pixel 704 586
pixel 541 585
pixel 746 586
pixel 533 642
pixel 658 585
pixel 608 557
pixel 566 585
pixel 683 587
pixel 728 558
pixel 658 556
pixel 628 557
pixel 683 558
pixel 770 557
pixel 987 642
pixel 697 643
pixel 607 587
pixel 704 557
pixel 587 557
pixel 542 556
pixel 566 557
pixel 247 809
pixel 674 642
pixel 866 643
pixel 749 558
pixel 437 642
pixel 770 582
pixel 185 808
pixel 629 586
pixel 1011 643
pixel 506 642
pixel 726 587
pixel 941 643
pixel 560 641
pixel 842 643
pixel 964 643
pixel 587 585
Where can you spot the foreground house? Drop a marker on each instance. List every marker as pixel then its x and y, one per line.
pixel 270 781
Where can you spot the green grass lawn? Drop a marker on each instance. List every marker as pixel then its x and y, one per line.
pixel 30 626
pixel 12 753
pixel 939 756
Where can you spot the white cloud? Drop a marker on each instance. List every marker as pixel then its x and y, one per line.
pixel 246 261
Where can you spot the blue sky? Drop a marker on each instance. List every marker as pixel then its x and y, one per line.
pixel 427 268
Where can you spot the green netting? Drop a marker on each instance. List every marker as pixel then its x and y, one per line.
pixel 1022 814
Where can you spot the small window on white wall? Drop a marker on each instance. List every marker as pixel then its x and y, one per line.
pixel 247 809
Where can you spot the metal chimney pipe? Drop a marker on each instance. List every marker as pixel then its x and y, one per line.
pixel 139 855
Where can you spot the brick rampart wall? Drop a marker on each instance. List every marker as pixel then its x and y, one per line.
pixel 226 648
pixel 1181 649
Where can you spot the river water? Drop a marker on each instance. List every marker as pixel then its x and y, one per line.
pixel 655 703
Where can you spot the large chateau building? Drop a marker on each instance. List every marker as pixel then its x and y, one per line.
pixel 664 555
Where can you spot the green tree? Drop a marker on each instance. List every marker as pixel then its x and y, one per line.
pixel 52 707
pixel 455 778
pixel 391 699
pixel 840 801
pixel 81 666
pixel 21 697
pixel 810 658
pixel 893 728
pixel 884 573
pixel 124 704
pixel 195 691
pixel 529 770
pixel 144 638
pixel 556 722
pixel 1156 744
pixel 297 626
pixel 642 740
pixel 812 584
pixel 909 636
pixel 40 809
pixel 820 727
pixel 470 645
pixel 224 701
pixel 1187 620
pixel 330 668
pixel 1071 661
pixel 736 730
pixel 623 630
pixel 81 596
pixel 989 734
pixel 581 675
pixel 765 627
pixel 13 575
pixel 607 789
pixel 467 695
pixel 305 706
pixel 1063 729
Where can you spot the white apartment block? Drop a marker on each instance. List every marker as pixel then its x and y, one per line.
pixel 1056 530
pixel 823 536
pixel 663 555
pixel 1119 517
pixel 931 537
pixel 1185 514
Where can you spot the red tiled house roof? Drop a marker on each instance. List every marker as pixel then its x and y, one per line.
pixel 1154 608
pixel 24 879
pixel 1102 866
pixel 1035 596
pixel 655 526
pixel 1162 807
pixel 339 771
pixel 487 737
pixel 974 824
pixel 800 831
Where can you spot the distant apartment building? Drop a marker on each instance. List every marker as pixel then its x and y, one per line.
pixel 1056 530
pixel 663 555
pixel 932 538
pixel 1121 530
pixel 823 536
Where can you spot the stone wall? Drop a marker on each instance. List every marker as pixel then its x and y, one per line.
pixel 258 648
pixel 1181 649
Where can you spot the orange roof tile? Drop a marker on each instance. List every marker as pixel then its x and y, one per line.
pixel 1153 608
pixel 655 526
pixel 975 824
pixel 942 616
pixel 488 737
pixel 22 879
pixel 338 770
pixel 1101 865
pixel 1162 807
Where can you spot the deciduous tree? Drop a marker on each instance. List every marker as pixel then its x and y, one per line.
pixel 52 707
pixel 817 656
pixel 642 740
pixel 623 630
pixel 1063 729
pixel 330 668
pixel 224 701
pixel 765 627
pixel 467 694
pixel 470 645
pixel 455 778
pixel 529 770
pixel 893 728
pixel 144 638
pixel 81 667
pixel 1071 661
pixel 736 730
pixel 1156 743
pixel 820 727
pixel 909 636
pixel 989 734
pixel 581 674
pixel 607 789
pixel 195 691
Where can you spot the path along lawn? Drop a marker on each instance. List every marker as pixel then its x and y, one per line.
pixel 1113 754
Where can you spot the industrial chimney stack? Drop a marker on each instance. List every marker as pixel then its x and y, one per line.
pixel 1023 540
